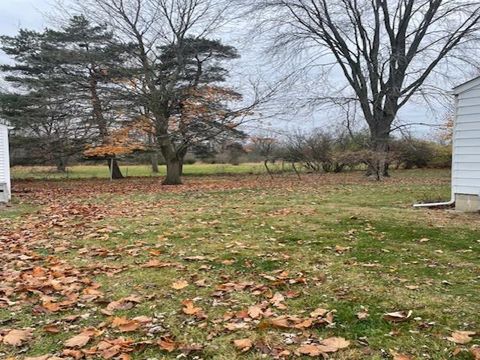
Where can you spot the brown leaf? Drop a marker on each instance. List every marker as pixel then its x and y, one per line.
pixel 167 344
pixel 336 342
pixel 461 337
pixel 243 344
pixel 475 351
pixel 398 316
pixel 51 329
pixel 71 353
pixel 124 304
pixel 318 312
pixel 78 341
pixel 51 307
pixel 16 337
pixel 179 285
pixel 125 325
pixel 363 314
pixel 255 311
pixel 305 324
pixel 190 309
pixel 341 249
pixel 398 356
pixel 313 350
pixel 280 322
pixel 277 301
pixel 412 287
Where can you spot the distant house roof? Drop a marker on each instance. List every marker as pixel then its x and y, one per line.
pixel 466 86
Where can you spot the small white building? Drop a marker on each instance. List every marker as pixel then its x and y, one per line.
pixel 466 147
pixel 5 186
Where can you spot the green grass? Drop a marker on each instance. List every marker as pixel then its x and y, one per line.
pixel 102 172
pixel 265 226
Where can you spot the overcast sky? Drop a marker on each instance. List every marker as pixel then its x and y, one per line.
pixel 16 14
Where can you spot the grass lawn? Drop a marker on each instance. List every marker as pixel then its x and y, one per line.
pixel 150 272
pixel 102 172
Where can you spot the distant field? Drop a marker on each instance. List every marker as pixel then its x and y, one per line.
pixel 101 171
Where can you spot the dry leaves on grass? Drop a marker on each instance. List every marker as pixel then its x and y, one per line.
pixel 82 339
pixel 125 303
pixel 397 316
pixel 17 337
pixel 179 285
pixel 399 356
pixel 475 351
pixel 167 344
pixel 125 325
pixel 461 337
pixel 362 314
pixel 189 308
pixel 329 345
pixel 243 344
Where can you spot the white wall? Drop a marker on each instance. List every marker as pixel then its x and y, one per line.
pixel 466 143
pixel 4 158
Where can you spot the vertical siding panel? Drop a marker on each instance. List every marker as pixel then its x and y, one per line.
pixel 466 140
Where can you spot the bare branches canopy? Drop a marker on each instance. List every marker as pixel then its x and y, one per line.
pixel 386 50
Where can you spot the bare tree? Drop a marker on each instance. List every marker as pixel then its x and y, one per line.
pixel 386 50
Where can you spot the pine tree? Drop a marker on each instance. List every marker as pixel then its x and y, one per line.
pixel 40 107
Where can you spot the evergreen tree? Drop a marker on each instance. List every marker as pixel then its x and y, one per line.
pixel 81 61
pixel 91 59
pixel 40 107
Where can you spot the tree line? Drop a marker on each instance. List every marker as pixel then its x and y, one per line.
pixel 323 151
pixel 145 82
pixel 150 75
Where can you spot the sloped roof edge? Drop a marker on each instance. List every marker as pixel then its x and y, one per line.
pixel 466 86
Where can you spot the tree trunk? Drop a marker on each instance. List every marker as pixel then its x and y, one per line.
pixel 154 161
pixel 173 162
pixel 174 172
pixel 61 164
pixel 181 157
pixel 115 171
pixel 378 163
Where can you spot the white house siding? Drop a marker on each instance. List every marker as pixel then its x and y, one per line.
pixel 4 158
pixel 466 151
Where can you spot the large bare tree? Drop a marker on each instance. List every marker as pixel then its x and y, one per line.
pixel 386 50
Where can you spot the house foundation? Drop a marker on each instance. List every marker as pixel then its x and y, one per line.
pixel 467 203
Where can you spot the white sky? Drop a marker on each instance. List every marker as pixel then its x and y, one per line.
pixel 16 14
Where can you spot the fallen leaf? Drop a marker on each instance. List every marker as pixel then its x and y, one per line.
pixel 318 312
pixel 243 344
pixel 179 285
pixel 124 304
pixel 167 344
pixel 412 287
pixel 336 342
pixel 78 341
pixel 398 356
pixel 341 249
pixel 475 351
pixel 314 350
pixel 363 314
pixel 461 337
pixel 255 311
pixel 71 353
pixel 125 325
pixel 16 337
pixel 190 309
pixel 397 316
pixel 51 329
